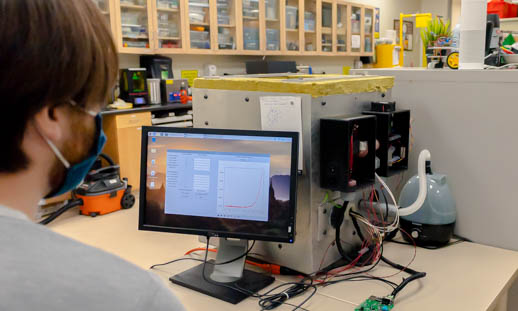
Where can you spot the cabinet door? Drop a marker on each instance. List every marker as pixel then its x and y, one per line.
pixel 341 27
pixel 368 30
pixel 356 29
pixel 273 25
pixel 326 41
pixel 251 25
pixel 134 26
pixel 107 9
pixel 310 34
pixel 292 25
pixel 226 21
pixel 168 32
pixel 198 21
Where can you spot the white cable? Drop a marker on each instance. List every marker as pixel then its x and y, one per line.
pixel 421 197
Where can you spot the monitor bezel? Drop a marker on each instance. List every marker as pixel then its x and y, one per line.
pixel 290 238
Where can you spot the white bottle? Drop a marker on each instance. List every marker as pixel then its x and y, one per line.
pixel 455 42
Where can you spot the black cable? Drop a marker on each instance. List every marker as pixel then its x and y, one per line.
pixel 211 263
pixel 66 207
pixel 267 301
pixel 173 261
pixel 406 281
pixel 362 278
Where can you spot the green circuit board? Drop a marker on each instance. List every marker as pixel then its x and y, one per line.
pixel 375 304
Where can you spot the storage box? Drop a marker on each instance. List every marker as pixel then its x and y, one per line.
pixel 263 66
pixel 502 8
pixel 309 21
pixel 292 17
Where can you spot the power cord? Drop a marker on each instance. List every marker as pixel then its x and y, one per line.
pixel 267 301
pixel 211 263
pixel 64 208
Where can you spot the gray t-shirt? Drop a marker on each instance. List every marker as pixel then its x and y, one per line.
pixel 43 270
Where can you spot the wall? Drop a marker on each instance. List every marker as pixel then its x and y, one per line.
pixel 455 12
pixel 389 10
pixel 467 119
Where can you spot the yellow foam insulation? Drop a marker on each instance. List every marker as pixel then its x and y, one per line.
pixel 306 84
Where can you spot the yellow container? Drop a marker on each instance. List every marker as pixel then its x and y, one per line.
pixel 384 56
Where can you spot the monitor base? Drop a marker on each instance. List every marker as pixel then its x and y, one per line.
pixel 193 279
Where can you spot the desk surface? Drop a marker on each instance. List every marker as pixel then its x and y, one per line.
pixel 146 108
pixel 465 276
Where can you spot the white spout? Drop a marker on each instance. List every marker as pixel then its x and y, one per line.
pixel 423 190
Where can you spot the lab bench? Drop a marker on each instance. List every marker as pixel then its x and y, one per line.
pixel 123 129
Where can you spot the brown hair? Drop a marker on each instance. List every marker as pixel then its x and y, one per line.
pixel 51 51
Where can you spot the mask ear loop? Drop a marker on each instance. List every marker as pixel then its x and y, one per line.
pixel 56 151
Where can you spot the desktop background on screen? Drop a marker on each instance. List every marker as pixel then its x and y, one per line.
pixel 237 184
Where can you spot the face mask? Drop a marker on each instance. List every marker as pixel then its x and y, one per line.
pixel 77 172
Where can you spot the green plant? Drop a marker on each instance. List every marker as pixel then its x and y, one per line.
pixel 435 29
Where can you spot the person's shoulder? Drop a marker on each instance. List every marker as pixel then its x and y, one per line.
pixel 78 274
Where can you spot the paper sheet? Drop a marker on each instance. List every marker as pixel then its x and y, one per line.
pixel 282 113
pixel 356 41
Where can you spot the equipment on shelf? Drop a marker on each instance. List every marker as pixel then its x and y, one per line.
pixel 433 223
pixel 157 66
pixel 267 66
pixel 133 86
pixel 171 90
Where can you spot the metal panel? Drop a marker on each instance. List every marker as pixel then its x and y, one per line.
pixel 241 110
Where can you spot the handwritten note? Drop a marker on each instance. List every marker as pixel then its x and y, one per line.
pixel 283 113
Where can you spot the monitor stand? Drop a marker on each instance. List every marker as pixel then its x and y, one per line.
pixel 231 275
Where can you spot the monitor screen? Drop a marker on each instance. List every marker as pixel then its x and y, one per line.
pixel 226 183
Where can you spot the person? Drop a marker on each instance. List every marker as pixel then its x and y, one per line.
pixel 58 65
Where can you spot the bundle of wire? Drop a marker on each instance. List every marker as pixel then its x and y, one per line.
pixel 375 229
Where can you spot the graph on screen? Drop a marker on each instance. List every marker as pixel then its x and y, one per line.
pixel 243 190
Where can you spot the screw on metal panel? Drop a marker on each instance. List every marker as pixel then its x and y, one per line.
pixel 247 99
pixel 280 246
pixel 206 122
pixel 383 95
pixel 206 96
pixel 324 103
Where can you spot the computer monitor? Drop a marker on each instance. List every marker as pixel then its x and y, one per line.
pixel 231 184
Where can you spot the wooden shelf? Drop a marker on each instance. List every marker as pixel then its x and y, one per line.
pixel 272 20
pixel 327 30
pixel 169 38
pixel 327 44
pixel 199 24
pixel 310 31
pixel 251 18
pixel 291 30
pixel 141 37
pixel 168 10
pixel 226 26
pixel 133 6
pixel 355 33
pixel 105 12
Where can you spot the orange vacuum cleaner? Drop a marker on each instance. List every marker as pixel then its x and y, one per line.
pixel 103 191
